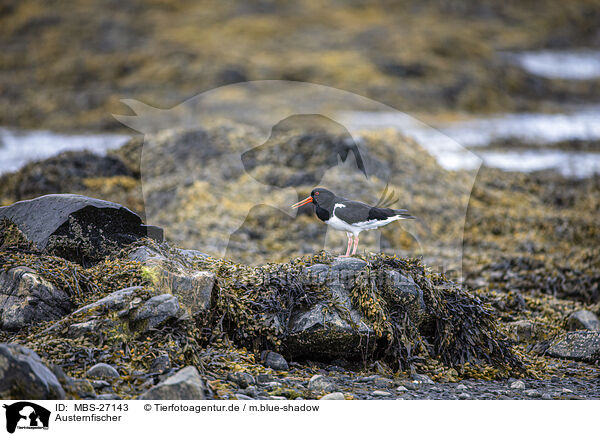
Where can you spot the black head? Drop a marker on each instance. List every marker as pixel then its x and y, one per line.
pixel 323 198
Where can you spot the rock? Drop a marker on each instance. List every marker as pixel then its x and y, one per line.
pixel 180 278
pixel 264 378
pixel 346 267
pixel 583 320
pixel 186 384
pixel 522 330
pixel 146 255
pixel 580 345
pixel 100 384
pixel 422 378
pixel 533 393
pixel 407 291
pixel 27 298
pixel 382 382
pixel 161 363
pixel 23 375
pixel 462 387
pixel 191 254
pixel 463 396
pixel 251 391
pixel 274 360
pixel 156 310
pixel 243 397
pixel 321 383
pixel 242 379
pixel 401 389
pixel 102 371
pixel 411 385
pixel 333 396
pixel 327 332
pixel 113 302
pixel 194 290
pixel 81 328
pixel 78 228
pixel 79 388
pixel 517 385
pixel 381 394
pixel 546 396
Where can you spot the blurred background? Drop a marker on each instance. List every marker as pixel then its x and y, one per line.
pixel 517 82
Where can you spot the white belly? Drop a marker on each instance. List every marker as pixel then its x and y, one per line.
pixel 356 228
pixel 336 223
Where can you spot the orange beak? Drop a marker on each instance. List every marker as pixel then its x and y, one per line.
pixel 303 202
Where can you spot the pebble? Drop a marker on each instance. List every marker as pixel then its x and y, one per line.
pixel 243 397
pixel 264 378
pixel 546 396
pixel 517 385
pixel 274 360
pixel 462 387
pixel 463 396
pixel 401 389
pixel 381 394
pixel 421 378
pixel 319 382
pixel 103 371
pixel 333 396
pixel 533 393
pixel 242 379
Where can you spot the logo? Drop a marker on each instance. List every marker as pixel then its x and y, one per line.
pixel 26 415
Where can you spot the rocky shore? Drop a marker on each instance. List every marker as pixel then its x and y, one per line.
pixel 126 315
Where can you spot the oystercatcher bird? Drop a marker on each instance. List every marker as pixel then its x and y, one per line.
pixel 350 216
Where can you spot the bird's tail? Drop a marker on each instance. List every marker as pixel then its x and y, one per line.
pixel 403 214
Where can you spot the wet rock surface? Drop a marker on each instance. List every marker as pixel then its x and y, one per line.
pixel 186 384
pixel 24 376
pixel 26 298
pixel 75 227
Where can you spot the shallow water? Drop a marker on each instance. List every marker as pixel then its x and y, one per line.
pixel 534 128
pixel 461 144
pixel 556 64
pixel 19 147
pixel 571 164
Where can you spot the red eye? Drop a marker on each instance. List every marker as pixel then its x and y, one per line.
pixel 317 193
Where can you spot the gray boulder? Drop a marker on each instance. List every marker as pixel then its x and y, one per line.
pixel 176 275
pixel 580 345
pixel 186 384
pixel 156 310
pixel 583 320
pixel 325 331
pixel 23 376
pixel 78 228
pixel 27 298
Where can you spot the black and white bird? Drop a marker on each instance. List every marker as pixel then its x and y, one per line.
pixel 350 216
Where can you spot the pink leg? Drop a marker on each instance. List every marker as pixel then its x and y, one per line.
pixel 349 245
pixel 355 245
